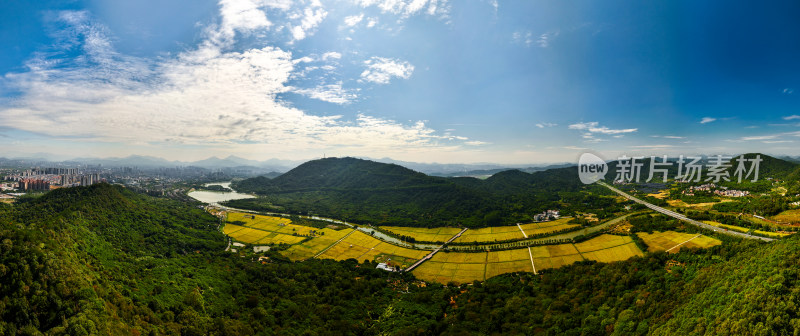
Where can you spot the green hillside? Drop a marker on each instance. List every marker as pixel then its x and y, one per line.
pixel 102 260
pixel 370 192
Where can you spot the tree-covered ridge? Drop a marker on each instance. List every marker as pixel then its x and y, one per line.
pixel 66 269
pixel 370 192
pixel 101 260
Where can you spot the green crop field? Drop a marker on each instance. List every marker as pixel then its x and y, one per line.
pixel 663 241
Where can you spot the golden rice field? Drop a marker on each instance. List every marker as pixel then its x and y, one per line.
pixel 670 241
pixel 660 195
pixel 490 234
pixel 483 235
pixel 255 236
pixel 270 223
pixel 788 216
pixel 361 246
pixel 547 227
pixel 424 234
pixel 310 248
pixel 463 267
pixel 745 230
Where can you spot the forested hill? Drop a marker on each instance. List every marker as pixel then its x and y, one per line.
pixel 769 167
pixel 101 260
pixel 342 174
pixel 366 191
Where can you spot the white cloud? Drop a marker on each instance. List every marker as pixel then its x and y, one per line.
pixel 707 120
pixel 353 20
pixel 525 38
pixel 668 136
pixel 593 127
pixel 543 125
pixel 788 91
pixel 791 117
pixel 545 39
pixel 406 8
pixel 475 143
pixel 206 97
pixel 332 93
pixel 331 55
pixel 312 16
pixel 380 70
pixel 371 22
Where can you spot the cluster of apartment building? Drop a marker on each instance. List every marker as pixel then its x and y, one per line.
pixel 37 179
pixel 547 216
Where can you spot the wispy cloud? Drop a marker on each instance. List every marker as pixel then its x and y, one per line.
pixel 791 117
pixel 594 127
pixel 546 38
pixel 668 137
pixel 353 20
pixel 406 8
pixel 380 70
pixel 332 93
pixel 788 91
pixel 522 37
pixel 546 125
pixel 760 137
pixel 707 120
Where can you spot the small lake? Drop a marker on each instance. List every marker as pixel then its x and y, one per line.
pixel 214 197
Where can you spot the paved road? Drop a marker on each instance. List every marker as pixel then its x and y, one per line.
pixel 682 217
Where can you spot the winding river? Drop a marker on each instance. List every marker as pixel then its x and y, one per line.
pixel 215 197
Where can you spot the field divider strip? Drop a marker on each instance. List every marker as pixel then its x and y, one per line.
pixel 532 264
pixel 690 239
pixel 334 244
pixel 523 231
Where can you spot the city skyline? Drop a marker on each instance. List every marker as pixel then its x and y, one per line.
pixel 417 81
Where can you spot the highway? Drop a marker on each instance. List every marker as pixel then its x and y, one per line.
pixel 682 217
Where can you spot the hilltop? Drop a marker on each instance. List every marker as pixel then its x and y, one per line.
pixel 372 192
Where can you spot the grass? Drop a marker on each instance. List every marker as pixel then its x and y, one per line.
pixel 668 240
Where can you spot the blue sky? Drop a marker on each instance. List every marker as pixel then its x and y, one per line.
pixel 416 80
